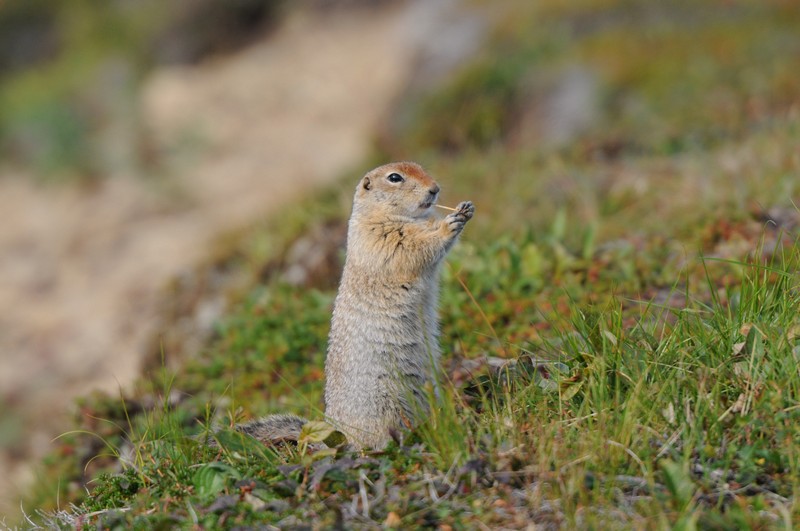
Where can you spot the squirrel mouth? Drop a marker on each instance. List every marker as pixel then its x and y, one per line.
pixel 429 202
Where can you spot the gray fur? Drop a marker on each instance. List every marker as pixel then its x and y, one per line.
pixel 274 428
pixel 383 348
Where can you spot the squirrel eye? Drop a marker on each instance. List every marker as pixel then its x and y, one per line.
pixel 395 178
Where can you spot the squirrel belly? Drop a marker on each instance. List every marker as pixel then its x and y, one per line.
pixel 383 350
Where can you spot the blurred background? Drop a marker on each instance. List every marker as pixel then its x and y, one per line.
pixel 137 137
pixel 133 134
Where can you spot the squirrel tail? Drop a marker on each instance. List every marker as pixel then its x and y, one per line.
pixel 274 429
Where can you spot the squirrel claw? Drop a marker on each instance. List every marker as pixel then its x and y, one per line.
pixel 467 209
pixel 464 212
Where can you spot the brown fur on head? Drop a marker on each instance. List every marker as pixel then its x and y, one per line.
pixel 400 188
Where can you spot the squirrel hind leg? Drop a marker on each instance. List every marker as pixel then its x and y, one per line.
pixel 274 429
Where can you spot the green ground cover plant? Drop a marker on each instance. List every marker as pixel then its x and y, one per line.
pixel 620 320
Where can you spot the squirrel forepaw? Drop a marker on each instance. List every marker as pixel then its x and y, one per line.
pixel 464 212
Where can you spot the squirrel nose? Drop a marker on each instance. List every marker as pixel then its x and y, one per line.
pixel 434 190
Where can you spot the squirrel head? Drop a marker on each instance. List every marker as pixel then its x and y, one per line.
pixel 398 188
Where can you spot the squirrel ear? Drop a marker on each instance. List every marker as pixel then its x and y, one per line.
pixel 366 184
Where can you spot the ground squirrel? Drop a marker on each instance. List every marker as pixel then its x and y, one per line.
pixel 383 349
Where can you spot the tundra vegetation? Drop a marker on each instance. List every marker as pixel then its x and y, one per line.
pixel 620 321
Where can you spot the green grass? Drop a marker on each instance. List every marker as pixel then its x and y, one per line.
pixel 632 414
pixel 620 319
